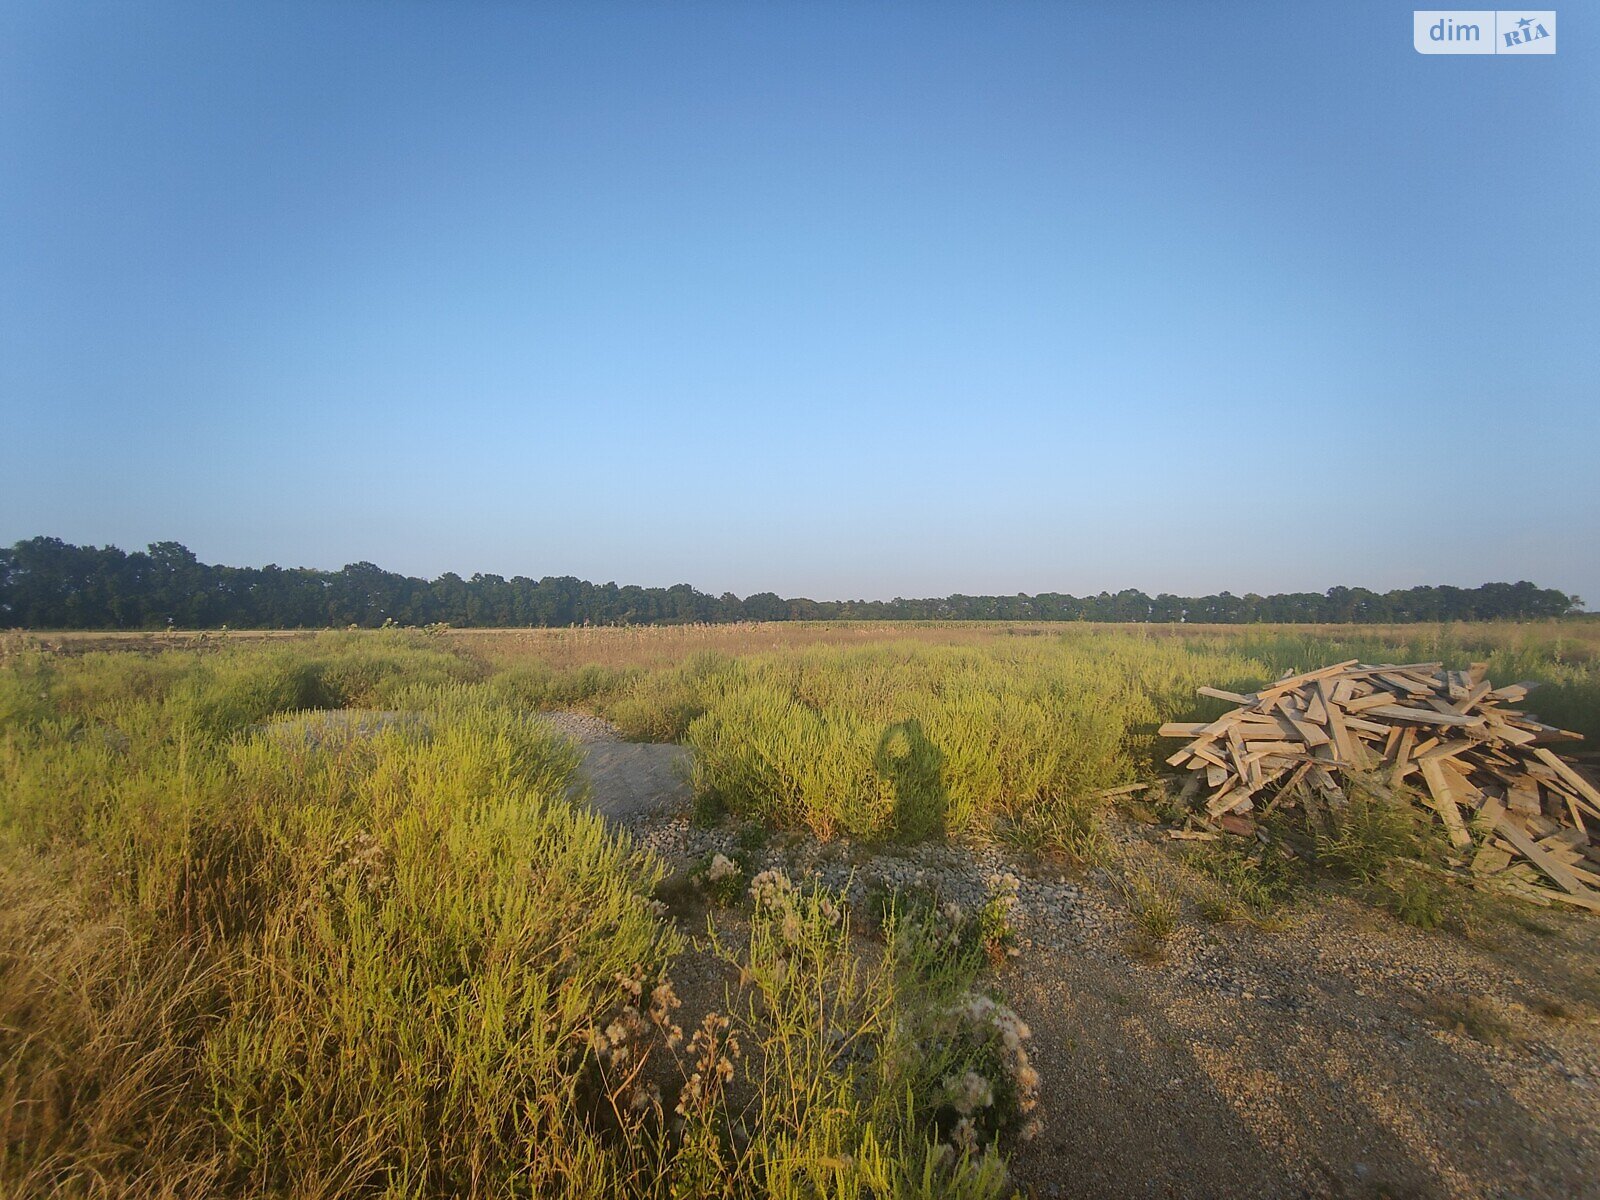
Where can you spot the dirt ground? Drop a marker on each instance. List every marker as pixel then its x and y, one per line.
pixel 1359 1058
pixel 1342 1055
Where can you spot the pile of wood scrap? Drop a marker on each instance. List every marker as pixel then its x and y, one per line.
pixel 1449 736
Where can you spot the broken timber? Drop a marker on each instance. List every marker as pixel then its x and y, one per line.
pixel 1510 805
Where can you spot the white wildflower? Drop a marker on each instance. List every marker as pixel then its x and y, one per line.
pixel 771 888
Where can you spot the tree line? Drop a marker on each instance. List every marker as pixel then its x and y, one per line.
pixel 46 583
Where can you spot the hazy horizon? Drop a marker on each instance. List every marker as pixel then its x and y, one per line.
pixel 826 300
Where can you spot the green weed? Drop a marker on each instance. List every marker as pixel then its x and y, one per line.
pixel 1242 881
pixel 1153 904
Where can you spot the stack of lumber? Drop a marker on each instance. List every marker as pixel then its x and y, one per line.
pixel 1449 736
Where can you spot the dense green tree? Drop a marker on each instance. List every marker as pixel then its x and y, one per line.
pixel 46 583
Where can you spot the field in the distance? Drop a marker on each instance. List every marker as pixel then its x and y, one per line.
pixel 246 951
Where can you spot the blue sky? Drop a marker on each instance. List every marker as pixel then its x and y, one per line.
pixel 830 299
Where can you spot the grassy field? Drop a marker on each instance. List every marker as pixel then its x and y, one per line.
pixel 910 731
pixel 238 957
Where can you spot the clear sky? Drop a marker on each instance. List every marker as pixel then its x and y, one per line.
pixel 838 300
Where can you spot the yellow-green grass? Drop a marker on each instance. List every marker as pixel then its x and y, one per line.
pixel 912 737
pixel 239 957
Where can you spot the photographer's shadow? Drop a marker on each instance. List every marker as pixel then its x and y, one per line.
pixel 914 766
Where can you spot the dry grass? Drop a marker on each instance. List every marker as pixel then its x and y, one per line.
pixel 1574 641
pixel 656 646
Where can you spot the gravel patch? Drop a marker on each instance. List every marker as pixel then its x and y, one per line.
pixel 1053 912
pixel 584 728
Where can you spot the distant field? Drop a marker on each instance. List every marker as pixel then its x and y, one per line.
pixel 1568 640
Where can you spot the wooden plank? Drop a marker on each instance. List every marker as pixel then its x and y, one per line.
pixel 1523 797
pixel 1490 812
pixel 1259 749
pixel 1565 844
pixel 1258 730
pixel 1510 733
pixel 1231 697
pixel 1292 682
pixel 1337 733
pixel 1228 786
pixel 1540 826
pixel 1424 716
pixel 1391 741
pixel 1291 783
pixel 1443 751
pixel 1221 806
pixel 1371 728
pixel 1584 790
pixel 1473 696
pixel 1489 860
pixel 1590 902
pixel 1402 756
pixel 1514 692
pixel 1559 794
pixel 1444 803
pixel 1316 711
pixel 1311 734
pixel 1288 729
pixel 1533 853
pixel 1360 704
pixel 1583 874
pixel 1240 761
pixel 1574 812
pixel 1523 891
pixel 1401 684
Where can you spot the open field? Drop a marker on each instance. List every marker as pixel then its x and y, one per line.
pixel 891 937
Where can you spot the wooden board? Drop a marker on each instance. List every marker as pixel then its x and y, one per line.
pixel 1444 803
pixel 1577 781
pixel 1531 850
pixel 1423 716
pixel 1230 697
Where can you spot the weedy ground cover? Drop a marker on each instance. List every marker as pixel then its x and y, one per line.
pixel 246 955
pixel 252 955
